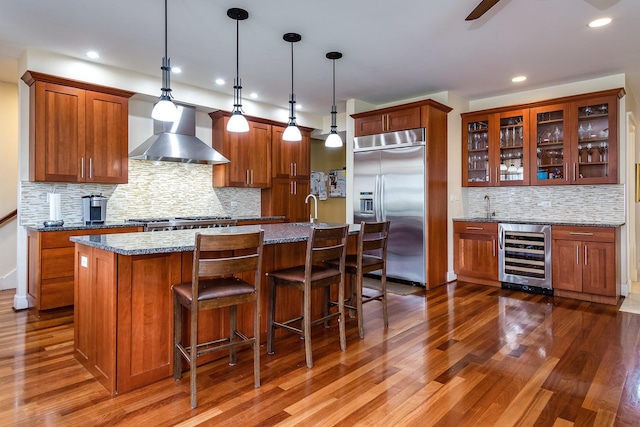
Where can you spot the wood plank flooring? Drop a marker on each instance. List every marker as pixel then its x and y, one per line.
pixel 467 355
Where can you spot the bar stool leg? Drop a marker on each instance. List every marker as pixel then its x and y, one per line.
pixel 306 325
pixel 384 300
pixel 359 311
pixel 271 316
pixel 233 326
pixel 177 338
pixel 193 356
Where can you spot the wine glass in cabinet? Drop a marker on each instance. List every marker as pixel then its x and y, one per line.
pixel 595 145
pixel 550 151
pixel 513 142
pixel 476 153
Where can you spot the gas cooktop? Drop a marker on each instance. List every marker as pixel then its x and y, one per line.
pixel 177 218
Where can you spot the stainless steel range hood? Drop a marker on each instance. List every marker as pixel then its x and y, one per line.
pixel 177 142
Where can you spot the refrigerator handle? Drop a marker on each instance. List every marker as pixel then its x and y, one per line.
pixel 381 204
pixel 376 198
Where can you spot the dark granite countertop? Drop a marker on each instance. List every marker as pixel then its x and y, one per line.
pixel 81 226
pixel 112 224
pixel 183 240
pixel 539 222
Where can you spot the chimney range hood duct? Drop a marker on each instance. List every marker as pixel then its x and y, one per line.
pixel 177 142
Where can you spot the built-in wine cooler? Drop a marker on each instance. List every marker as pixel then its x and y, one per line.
pixel 524 256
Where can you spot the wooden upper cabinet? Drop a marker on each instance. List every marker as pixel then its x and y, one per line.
pixel 78 132
pixel 387 120
pixel 248 153
pixel 571 140
pixel 290 159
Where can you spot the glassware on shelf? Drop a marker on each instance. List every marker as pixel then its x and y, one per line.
pixel 557 135
pixel 580 149
pixel 506 137
pixel 589 159
pixel 589 132
pixel 539 155
pixel 602 148
pixel 581 131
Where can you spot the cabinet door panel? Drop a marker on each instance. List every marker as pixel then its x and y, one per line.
pixel 56 292
pixel 291 159
pixel 403 119
pixel 106 147
pixel 567 265
pixel 476 255
pixel 59 133
pixel 551 152
pixel 371 125
pixel 599 268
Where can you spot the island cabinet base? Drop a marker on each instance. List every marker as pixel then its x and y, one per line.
pixel 123 319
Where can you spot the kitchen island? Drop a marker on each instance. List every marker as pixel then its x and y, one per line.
pixel 124 303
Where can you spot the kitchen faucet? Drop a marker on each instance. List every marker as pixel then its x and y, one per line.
pixel 314 218
pixel 488 207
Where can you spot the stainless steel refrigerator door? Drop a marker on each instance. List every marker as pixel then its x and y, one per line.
pixel 402 193
pixel 366 176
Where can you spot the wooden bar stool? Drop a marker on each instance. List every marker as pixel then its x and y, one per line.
pixel 326 243
pixel 217 258
pixel 371 256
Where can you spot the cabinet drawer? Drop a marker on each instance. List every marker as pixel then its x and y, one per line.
pixel 475 227
pixel 56 293
pixel 60 239
pixel 57 262
pixel 585 234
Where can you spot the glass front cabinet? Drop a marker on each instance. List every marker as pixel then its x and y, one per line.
pixel 574 141
pixel 495 149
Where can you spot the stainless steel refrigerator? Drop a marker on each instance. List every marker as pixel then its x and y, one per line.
pixel 389 184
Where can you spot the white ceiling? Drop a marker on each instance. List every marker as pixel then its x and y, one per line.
pixel 393 50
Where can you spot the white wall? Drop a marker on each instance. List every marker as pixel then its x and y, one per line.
pixel 9 182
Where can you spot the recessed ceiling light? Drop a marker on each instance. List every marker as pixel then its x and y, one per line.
pixel 220 82
pixel 253 95
pixel 601 22
pixel 176 70
pixel 519 79
pixel 93 54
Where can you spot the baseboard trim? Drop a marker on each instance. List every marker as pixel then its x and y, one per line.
pixel 20 302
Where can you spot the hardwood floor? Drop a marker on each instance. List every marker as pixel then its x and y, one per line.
pixel 467 355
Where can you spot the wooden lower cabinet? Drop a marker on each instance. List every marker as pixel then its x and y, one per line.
pixel 123 318
pixel 476 251
pixel 51 267
pixel 584 263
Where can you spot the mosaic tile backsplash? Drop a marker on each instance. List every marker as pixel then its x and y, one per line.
pixel 155 189
pixel 580 203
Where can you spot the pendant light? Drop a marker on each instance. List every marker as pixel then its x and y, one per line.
pixel 292 133
pixel 237 121
pixel 165 110
pixel 333 140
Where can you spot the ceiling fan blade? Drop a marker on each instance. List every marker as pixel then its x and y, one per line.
pixel 481 9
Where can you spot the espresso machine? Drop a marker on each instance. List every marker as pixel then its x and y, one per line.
pixel 94 209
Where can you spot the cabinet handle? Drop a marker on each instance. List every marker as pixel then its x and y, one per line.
pixel 90 167
pixel 566 170
pixel 295 169
pixel 580 233
pixel 82 167
pixel 246 178
pixel 252 177
pixel 383 122
pixel 586 259
pixel 493 247
pixel 575 167
pixel 291 169
pixel 474 228
pixel 295 188
pixel 577 254
pixel 291 187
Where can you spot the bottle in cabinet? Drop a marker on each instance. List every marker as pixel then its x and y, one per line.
pixel 575 142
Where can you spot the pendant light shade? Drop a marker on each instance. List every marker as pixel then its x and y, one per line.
pixel 237 122
pixel 333 140
pixel 165 110
pixel 292 133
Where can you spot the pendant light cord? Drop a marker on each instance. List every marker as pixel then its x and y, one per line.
pixel 165 29
pixel 238 87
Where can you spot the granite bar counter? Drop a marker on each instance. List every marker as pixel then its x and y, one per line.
pixel 123 300
pixel 183 240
